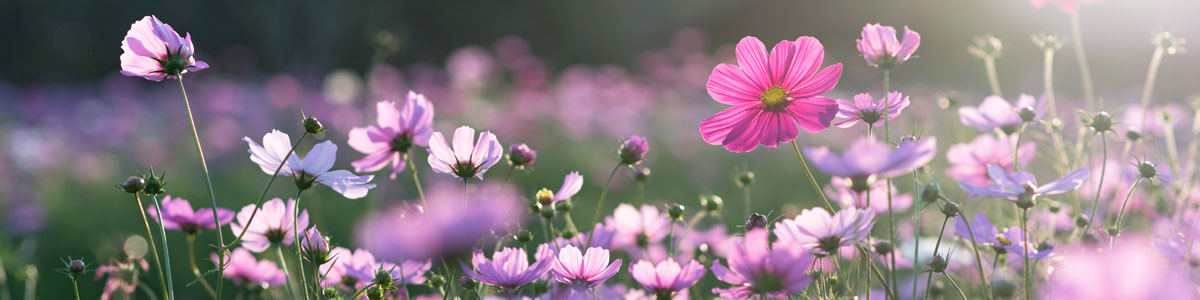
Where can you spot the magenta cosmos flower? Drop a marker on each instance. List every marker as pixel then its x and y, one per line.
pixel 880 47
pixel 246 271
pixel 178 215
pixel 969 161
pixel 771 93
pixel 153 50
pixel 633 150
pixel 468 158
pixel 397 132
pixel 1131 271
pixel 583 271
pixel 667 277
pixel 868 159
pixel 637 228
pixel 756 269
pixel 313 168
pixel 508 269
pixel 866 110
pixel 876 199
pixel 994 112
pixel 271 226
pixel 1018 186
pixel 815 228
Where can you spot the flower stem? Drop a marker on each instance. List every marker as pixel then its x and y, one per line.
pixel 286 275
pixel 212 196
pixel 75 285
pixel 887 106
pixel 892 233
pixel 936 246
pixel 153 247
pixel 1148 89
pixel 916 240
pixel 296 232
pixel 987 291
pixel 1121 213
pixel 1099 186
pixel 1085 72
pixel 1025 264
pixel 878 275
pixel 191 244
pixel 1016 163
pixel 989 65
pixel 811 179
pixel 412 168
pixel 162 231
pixel 746 195
pixel 508 174
pixel 955 284
pixel 599 206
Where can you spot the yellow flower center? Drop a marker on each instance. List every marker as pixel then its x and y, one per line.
pixel 774 97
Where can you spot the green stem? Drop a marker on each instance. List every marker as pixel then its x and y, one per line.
pixel 297 232
pixel 1084 71
pixel 936 247
pixel 258 205
pixel 1124 203
pixel 811 179
pixel 5 293
pixel 887 106
pixel 600 206
pixel 1148 89
pixel 878 275
pixel 1099 186
pixel 892 233
pixel 508 174
pixel 989 65
pixel 191 244
pixel 746 195
pixel 916 242
pixel 153 247
pixel 1016 163
pixel 1025 265
pixel 286 275
pixel 987 294
pixel 955 284
pixel 166 249
pixel 207 179
pixel 417 180
pixel 75 285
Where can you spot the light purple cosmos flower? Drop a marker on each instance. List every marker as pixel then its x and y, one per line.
pixel 969 161
pixel 508 268
pixel 447 226
pixel 866 110
pixel 272 225
pixel 397 132
pixel 1008 240
pixel 637 228
pixel 570 186
pixel 1154 122
pixel 995 112
pixel 353 270
pixel 667 277
pixel 756 269
pixel 178 215
pixel 880 47
pixel 313 168
pixel 815 228
pixel 315 246
pixel 1177 241
pixel 249 272
pixel 467 159
pixel 1131 271
pixel 521 156
pixel 633 150
pixel 583 271
pixel 153 50
pixel 1017 185
pixel 875 200
pixel 122 276
pixel 867 159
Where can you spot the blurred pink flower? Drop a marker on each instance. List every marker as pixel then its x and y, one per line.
pixel 122 276
pixel 467 159
pixel 178 215
pixel 667 277
pixel 880 47
pixel 271 226
pixel 866 110
pixel 508 268
pixel 637 228
pixel 866 158
pixel 1131 271
pixel 354 270
pixel 874 200
pixel 994 112
pixel 1015 186
pixel 969 161
pixel 583 271
pixel 816 229
pixel 446 226
pixel 771 93
pixel 392 139
pixel 248 272
pixel 756 269
pixel 153 50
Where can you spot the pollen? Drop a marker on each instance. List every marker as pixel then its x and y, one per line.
pixel 774 97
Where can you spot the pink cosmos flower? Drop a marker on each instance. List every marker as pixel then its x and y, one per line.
pixel 815 228
pixel 314 246
pixel 570 186
pixel 178 215
pixel 756 269
pixel 447 226
pixel 637 228
pixel 633 150
pixel 122 276
pixel 874 200
pixel 880 47
pixel 995 112
pixel 508 268
pixel 353 270
pixel 272 226
pixel 969 161
pixel 314 168
pixel 1131 271
pixel 397 132
pixel 153 50
pixel 1015 185
pixel 583 271
pixel 770 94
pixel 866 110
pixel 667 277
pixel 867 158
pixel 246 271
pixel 467 159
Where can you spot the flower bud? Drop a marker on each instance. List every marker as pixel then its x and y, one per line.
pixel 1027 114
pixel 883 247
pixel 987 46
pixel 711 203
pixel 931 192
pixel 569 233
pixel 314 246
pixel 76 266
pixel 950 209
pixel 938 264
pixel 675 211
pixel 1081 221
pixel 312 125
pixel 383 278
pixel 547 213
pixel 375 293
pixel 524 236
pixel 132 185
pixel 1133 136
pixel 640 175
pixel 154 184
pixel 1101 122
pixel 1025 201
pixel 756 221
pixel 1047 42
pixel 1054 207
pixel 466 282
pixel 633 150
pixel 1146 169
pixel 520 156
pixel 745 179
pixel 436 280
pixel 563 206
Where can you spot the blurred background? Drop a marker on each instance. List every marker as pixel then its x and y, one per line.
pixel 571 79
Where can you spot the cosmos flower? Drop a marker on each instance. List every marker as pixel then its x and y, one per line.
pixel 756 269
pixel 583 271
pixel 246 271
pixel 874 200
pixel 1017 185
pixel 314 168
pixel 570 186
pixel 314 246
pixel 122 276
pixel 867 159
pixel 508 268
pixel 521 156
pixel 153 50
pixel 866 110
pixel 467 159
pixel 771 93
pixel 880 47
pixel 633 150
pixel 395 134
pixel 815 228
pixel 994 112
pixel 446 226
pixel 637 228
pixel 969 161
pixel 271 226
pixel 178 215
pixel 353 270
pixel 1130 271
pixel 667 277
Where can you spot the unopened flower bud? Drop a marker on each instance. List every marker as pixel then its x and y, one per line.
pixel 154 184
pixel 132 185
pixel 1027 114
pixel 547 213
pixel 1101 122
pixel 524 236
pixel 987 46
pixel 950 209
pixel 675 211
pixel 745 179
pixel 1025 201
pixel 1081 221
pixel 640 175
pixel 569 233
pixel 938 264
pixel 436 281
pixel 520 156
pixel 375 293
pixel 633 150
pixel 383 278
pixel 314 246
pixel 711 203
pixel 1147 169
pixel 931 192
pixel 76 266
pixel 1133 136
pixel 466 282
pixel 312 125
pixel 883 247
pixel 563 206
pixel 756 221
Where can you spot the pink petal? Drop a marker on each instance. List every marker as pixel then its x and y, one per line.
pixel 716 128
pixel 752 58
pixel 813 114
pixel 729 85
pixel 819 84
pixel 805 61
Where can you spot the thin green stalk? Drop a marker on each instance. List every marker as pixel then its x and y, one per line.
pixel 811 179
pixel 641 198
pixel 1148 89
pixel 258 205
pixel 671 248
pixel 892 234
pixel 153 247
pixel 1124 203
pixel 746 195
pixel 987 291
pixel 887 106
pixel 936 246
pixel 1055 135
pixel 887 137
pixel 75 285
pixel 1084 71
pixel 166 249
pixel 989 65
pixel 286 275
pixel 5 293
pixel 31 279
pixel 955 284
pixel 1017 150
pixel 1103 169
pixel 878 275
pixel 207 179
pixel 508 174
pixel 600 206
pixel 296 232
pixel 1026 263
pixel 191 244
pixel 916 242
pixel 412 168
